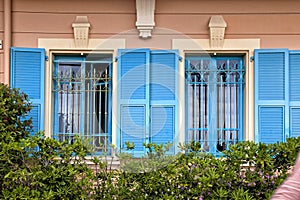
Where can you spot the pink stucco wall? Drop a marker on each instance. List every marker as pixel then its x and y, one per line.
pixel 275 22
pixel 1 38
pixel 34 19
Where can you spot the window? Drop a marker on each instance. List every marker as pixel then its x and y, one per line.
pixel 214 96
pixel 82 99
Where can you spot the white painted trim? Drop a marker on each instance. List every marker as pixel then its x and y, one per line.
pixel 245 46
pixel 55 45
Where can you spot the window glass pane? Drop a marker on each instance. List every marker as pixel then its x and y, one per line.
pixel 215 101
pixel 82 97
pixel 96 103
pixel 68 98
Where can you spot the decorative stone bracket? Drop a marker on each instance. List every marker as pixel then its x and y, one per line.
pixel 145 17
pixel 217 27
pixel 81 27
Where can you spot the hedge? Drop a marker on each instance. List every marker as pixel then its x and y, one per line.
pixel 36 167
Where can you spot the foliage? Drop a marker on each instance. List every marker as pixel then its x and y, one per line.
pixel 246 171
pixel 155 158
pixel 36 167
pixel 49 169
pixel 14 106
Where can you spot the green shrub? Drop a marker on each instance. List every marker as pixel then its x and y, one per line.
pixel 284 153
pixel 56 171
pixel 35 167
pixel 246 171
pixel 13 107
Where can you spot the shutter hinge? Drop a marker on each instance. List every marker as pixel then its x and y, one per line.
pixel 180 58
pixel 251 58
pixel 46 58
pixel 116 59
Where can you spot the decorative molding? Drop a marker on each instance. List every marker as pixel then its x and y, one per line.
pixel 81 27
pixel 217 27
pixel 145 17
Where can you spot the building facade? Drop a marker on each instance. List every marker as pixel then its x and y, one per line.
pixel 159 71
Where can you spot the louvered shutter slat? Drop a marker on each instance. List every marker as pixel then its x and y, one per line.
pixel 163 75
pixel 162 125
pixel 295 122
pixel 163 97
pixel 133 75
pixel 294 77
pixel 271 123
pixel 271 76
pixel 271 100
pixel 27 73
pixel 133 126
pixel 133 98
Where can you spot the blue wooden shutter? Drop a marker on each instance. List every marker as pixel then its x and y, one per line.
pixel 27 73
pixel 295 121
pixel 133 126
pixel 271 95
pixel 271 124
pixel 294 93
pixel 133 73
pixel 163 125
pixel 163 97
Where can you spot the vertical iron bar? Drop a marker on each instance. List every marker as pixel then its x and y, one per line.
pixel 201 97
pixel 228 112
pixel 234 106
pixel 93 110
pixel 207 115
pixel 83 103
pixel 87 121
pixel 67 101
pixel 99 106
pixel 64 109
pixel 194 107
pixel 221 109
pixel 106 109
pixel 73 102
pixel 60 97
pixel 78 106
